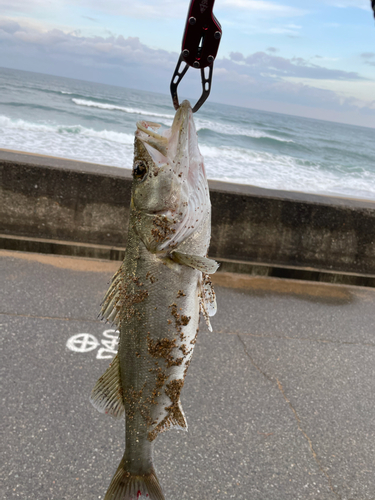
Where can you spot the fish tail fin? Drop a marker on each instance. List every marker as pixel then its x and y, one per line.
pixel 128 486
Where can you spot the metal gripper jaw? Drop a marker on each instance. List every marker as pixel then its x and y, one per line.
pixel 200 44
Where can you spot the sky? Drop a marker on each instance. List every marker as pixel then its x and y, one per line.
pixel 313 59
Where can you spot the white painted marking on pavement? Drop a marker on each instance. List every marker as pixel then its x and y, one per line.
pixel 82 342
pixel 110 346
pixel 86 342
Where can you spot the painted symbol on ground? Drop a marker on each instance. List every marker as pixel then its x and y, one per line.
pixel 110 345
pixel 82 342
pixel 86 342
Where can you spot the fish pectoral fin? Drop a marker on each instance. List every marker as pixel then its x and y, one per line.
pixel 208 305
pixel 203 264
pixel 106 396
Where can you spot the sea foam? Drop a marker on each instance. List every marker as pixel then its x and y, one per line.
pixel 96 123
pixel 109 135
pixel 232 164
pixel 113 107
pixel 276 171
pixel 236 130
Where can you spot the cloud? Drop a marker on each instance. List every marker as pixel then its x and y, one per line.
pixel 271 8
pixel 368 57
pixel 288 93
pixel 167 9
pixel 24 5
pixel 324 58
pixel 90 19
pixel 127 61
pixel 140 9
pixel 9 26
pixel 150 9
pixel 117 50
pixel 292 30
pixel 236 56
pixel 345 4
pixel 276 66
pixel 28 8
pixel 271 78
pixel 272 49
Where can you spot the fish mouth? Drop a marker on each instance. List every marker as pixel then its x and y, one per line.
pixel 176 144
pixel 180 135
pixel 176 154
pixel 152 140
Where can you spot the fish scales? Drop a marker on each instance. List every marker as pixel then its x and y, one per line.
pixel 156 331
pixel 155 298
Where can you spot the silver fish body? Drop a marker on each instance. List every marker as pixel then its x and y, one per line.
pixel 156 296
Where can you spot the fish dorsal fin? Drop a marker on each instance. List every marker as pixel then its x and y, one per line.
pixel 106 396
pixel 111 304
pixel 203 264
pixel 208 306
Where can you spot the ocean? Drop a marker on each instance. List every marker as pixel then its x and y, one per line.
pixel 95 123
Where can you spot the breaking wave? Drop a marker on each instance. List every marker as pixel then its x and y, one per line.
pixel 277 171
pixel 235 130
pixel 201 124
pixel 232 164
pixel 114 107
pixel 73 142
pixel 107 135
pixel 96 123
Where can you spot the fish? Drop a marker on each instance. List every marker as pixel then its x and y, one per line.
pixel 156 297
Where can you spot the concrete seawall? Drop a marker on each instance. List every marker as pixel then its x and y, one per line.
pixel 63 206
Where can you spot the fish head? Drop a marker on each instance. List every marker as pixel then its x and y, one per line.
pixel 170 192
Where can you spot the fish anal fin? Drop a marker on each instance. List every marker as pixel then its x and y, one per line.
pixel 129 486
pixel 106 396
pixel 177 419
pixel 203 264
pixel 174 420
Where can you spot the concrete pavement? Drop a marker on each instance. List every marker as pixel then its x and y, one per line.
pixel 279 398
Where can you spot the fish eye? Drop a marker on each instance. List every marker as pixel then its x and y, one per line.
pixel 140 170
